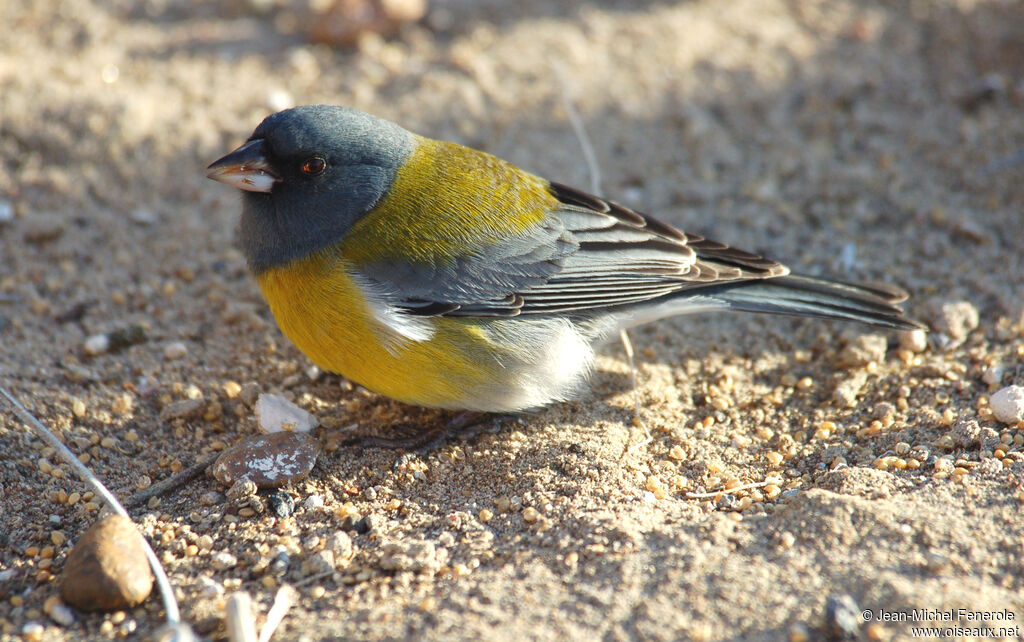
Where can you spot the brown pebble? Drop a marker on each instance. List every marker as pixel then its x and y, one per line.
pixel 107 569
pixel 185 409
pixel 345 21
pixel 269 460
pixel 42 228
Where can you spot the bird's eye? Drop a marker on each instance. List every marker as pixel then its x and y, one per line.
pixel 314 166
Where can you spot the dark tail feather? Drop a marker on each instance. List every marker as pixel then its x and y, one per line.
pixel 809 297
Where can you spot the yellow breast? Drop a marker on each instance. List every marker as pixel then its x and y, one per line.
pixel 320 308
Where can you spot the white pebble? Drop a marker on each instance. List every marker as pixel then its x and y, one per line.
pixel 275 413
pixel 6 212
pixel 223 561
pixel 208 587
pixel 144 216
pixel 1008 404
pixel 32 631
pixel 913 340
pixel 314 501
pixel 993 375
pixel 62 615
pixel 175 350
pixel 96 344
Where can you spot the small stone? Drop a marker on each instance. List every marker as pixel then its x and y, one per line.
pixel 313 502
pixel 842 618
pixel 175 350
pixel 223 560
pixel 268 461
pixel 321 562
pixel 144 216
pixel 344 22
pixel 281 504
pixel 6 212
pixel 993 375
pixel 96 344
pixel 340 543
pixel 210 588
pixel 242 491
pixel 43 228
pixel 275 413
pixel 107 570
pixel 32 632
pixel 413 555
pixel 847 391
pixel 61 614
pixel 184 409
pixel 371 523
pixel 913 340
pixel 865 349
pixel 1008 404
pixel 232 389
pixel 126 337
pixel 956 319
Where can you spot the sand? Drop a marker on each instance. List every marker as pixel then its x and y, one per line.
pixel 860 140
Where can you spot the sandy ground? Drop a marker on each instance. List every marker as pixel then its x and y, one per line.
pixel 862 140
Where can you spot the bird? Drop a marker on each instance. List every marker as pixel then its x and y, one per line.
pixel 442 276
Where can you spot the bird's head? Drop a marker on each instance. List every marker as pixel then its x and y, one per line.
pixel 308 174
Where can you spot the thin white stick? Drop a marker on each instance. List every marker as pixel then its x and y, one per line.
pixel 716 493
pixel 166 592
pixel 239 619
pixel 284 599
pixel 595 187
pixel 581 134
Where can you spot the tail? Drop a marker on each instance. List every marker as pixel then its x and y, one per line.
pixel 810 297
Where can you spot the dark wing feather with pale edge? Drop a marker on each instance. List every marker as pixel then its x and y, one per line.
pixel 592 255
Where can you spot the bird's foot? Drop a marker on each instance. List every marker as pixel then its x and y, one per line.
pixel 465 425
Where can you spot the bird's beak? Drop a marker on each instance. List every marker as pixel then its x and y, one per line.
pixel 245 168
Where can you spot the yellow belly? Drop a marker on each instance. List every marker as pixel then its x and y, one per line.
pixel 324 312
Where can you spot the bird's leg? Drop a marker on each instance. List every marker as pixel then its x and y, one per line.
pixel 628 346
pixel 466 425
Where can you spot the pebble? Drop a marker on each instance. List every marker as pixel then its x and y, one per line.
pixel 956 319
pixel 865 349
pixel 107 570
pixel 96 344
pixel 344 22
pixel 313 502
pixel 413 555
pixel 993 375
pixel 175 350
pixel 321 562
pixel 281 504
pixel 6 212
pixel 1008 404
pixel 126 337
pixel 848 389
pixel 913 340
pixel 184 409
pixel 32 631
pixel 61 614
pixel 43 228
pixel 842 618
pixel 275 413
pixel 210 588
pixel 223 560
pixel 269 460
pixel 144 216
pixel 340 543
pixel 371 523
